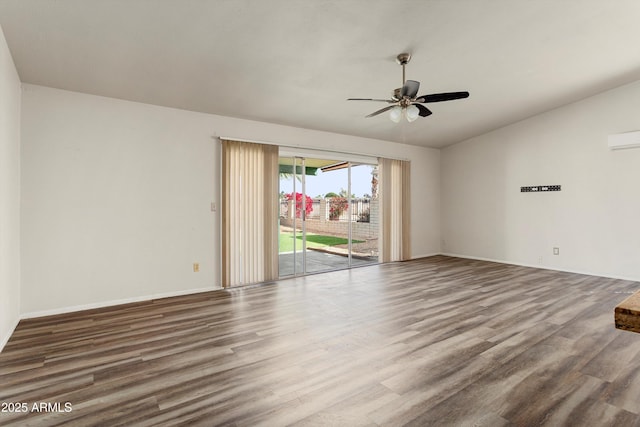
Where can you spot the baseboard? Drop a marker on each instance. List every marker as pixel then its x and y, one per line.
pixel 5 340
pixel 544 267
pixel 74 308
pixel 426 255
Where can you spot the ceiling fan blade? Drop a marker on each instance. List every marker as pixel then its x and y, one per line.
pixel 380 111
pixel 410 88
pixel 424 111
pixel 371 99
pixel 439 97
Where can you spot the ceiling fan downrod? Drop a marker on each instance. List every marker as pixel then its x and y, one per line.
pixel 403 59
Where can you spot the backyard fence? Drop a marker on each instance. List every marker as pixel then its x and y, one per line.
pixel 321 209
pixel 331 216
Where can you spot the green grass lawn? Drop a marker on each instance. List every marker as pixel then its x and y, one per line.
pixel 313 241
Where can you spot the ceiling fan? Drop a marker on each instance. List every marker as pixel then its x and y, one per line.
pixel 405 102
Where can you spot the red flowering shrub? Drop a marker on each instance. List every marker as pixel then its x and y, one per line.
pixel 308 207
pixel 337 205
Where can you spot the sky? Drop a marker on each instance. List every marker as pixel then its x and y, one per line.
pixel 333 181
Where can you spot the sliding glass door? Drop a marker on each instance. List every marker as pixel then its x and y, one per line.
pixel 328 215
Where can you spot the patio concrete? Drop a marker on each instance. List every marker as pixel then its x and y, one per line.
pixel 318 261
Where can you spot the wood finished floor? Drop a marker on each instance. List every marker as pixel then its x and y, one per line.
pixel 438 341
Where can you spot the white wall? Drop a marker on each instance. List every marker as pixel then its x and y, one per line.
pixel 116 196
pixel 594 220
pixel 9 193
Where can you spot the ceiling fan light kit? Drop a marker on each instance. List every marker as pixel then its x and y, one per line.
pixel 411 113
pixel 395 114
pixel 405 102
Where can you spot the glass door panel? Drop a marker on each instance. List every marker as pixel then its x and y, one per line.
pixel 364 214
pixel 327 225
pixel 290 229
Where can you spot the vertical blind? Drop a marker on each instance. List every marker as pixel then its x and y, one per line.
pixel 249 213
pixel 395 241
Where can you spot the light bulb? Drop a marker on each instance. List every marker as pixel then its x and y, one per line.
pixel 395 114
pixel 412 113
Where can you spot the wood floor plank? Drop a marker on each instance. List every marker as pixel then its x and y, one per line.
pixel 435 341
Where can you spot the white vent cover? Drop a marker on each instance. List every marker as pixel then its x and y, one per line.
pixel 620 141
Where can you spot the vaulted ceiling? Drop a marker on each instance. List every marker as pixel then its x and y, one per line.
pixel 295 62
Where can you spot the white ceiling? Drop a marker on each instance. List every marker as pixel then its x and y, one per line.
pixel 295 62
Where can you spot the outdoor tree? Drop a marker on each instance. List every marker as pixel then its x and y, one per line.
pixel 343 193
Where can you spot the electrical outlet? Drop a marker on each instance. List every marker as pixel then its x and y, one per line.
pixel 556 251
pixel 196 267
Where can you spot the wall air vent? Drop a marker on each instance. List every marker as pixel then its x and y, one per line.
pixel 621 141
pixel 540 188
